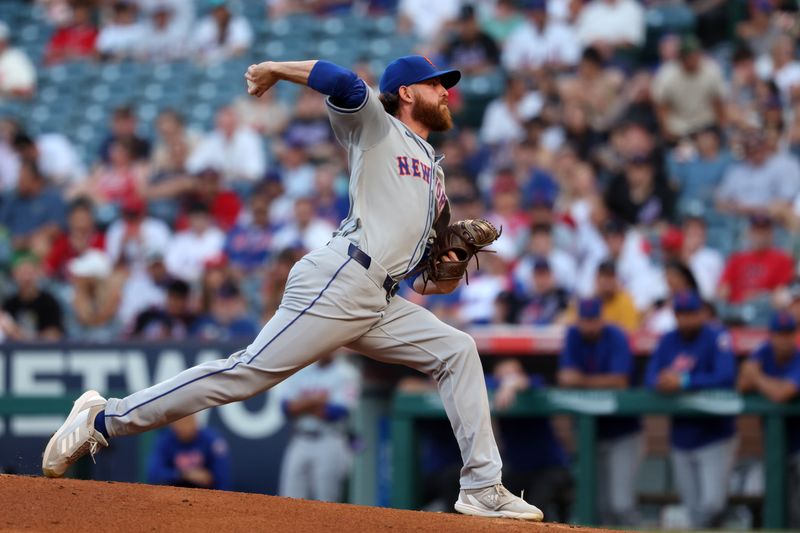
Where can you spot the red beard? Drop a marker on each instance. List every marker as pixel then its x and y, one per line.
pixel 435 117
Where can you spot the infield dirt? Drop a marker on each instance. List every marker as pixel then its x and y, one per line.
pixel 40 504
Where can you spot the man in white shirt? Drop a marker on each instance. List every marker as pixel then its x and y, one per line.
pixel 123 36
pixel 426 18
pixel 504 116
pixel 56 156
pixel 134 236
pixel 182 13
pixel 17 73
pixel 539 42
pixel 540 246
pixel 232 149
pixel 782 67
pixel 165 37
pixel 705 263
pixel 221 35
pixel 189 250
pixel 611 24
pixel 307 230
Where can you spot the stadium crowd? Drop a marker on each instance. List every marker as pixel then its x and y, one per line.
pixel 639 154
pixel 623 158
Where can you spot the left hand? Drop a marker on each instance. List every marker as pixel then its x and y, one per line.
pixel 668 381
pixel 198 476
pixel 749 373
pixel 448 286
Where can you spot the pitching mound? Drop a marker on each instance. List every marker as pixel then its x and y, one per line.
pixel 40 504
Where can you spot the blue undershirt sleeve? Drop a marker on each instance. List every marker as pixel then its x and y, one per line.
pixel 346 90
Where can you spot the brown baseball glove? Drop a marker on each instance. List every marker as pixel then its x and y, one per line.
pixel 465 238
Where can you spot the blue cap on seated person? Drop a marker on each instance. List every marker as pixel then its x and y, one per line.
pixel 687 302
pixel 408 70
pixel 782 322
pixel 590 308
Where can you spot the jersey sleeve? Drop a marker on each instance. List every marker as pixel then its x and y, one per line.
pixel 361 127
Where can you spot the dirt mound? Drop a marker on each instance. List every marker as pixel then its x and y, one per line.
pixel 40 504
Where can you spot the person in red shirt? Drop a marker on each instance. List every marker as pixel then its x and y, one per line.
pixel 759 270
pixel 74 40
pixel 81 235
pixel 224 204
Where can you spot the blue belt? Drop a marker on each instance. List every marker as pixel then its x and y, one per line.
pixel 359 256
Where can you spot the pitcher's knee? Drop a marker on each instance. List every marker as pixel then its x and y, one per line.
pixel 462 344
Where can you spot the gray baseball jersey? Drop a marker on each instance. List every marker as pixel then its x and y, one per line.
pixel 334 297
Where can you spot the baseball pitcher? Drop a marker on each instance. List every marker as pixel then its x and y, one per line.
pixel 344 294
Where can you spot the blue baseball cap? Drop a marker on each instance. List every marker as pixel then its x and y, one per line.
pixel 782 322
pixel 687 302
pixel 408 70
pixel 590 308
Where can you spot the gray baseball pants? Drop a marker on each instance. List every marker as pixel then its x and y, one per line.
pixel 316 467
pixel 702 478
pixel 617 468
pixel 331 301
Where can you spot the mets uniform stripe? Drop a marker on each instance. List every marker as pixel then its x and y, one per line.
pixel 238 362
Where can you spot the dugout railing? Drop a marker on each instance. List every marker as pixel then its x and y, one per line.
pixel 587 407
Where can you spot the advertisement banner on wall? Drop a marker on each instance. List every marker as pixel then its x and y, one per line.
pixel 255 430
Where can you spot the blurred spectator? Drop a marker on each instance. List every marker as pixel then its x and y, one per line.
pixel 97 295
pixel 34 213
pixel 742 102
pixel 333 200
pixel 759 270
pixel 75 39
pixel 539 301
pixel 504 117
pixel 540 42
pixel 507 212
pixel 220 34
pixel 112 183
pixel 275 280
pixel 697 356
pixel 296 171
pixel 232 149
pixel 266 114
pixel 476 301
pixel 228 318
pixel 121 37
pixel 134 236
pixel 595 88
pixel 469 49
pixel 618 306
pixel 172 131
pixel 309 126
pixel 124 128
pixel 782 67
pixel 187 455
pixel 143 288
pixel 597 355
pixel 759 182
pixel 54 155
pixel 641 195
pixel 502 21
pixel 36 313
pixel 436 16
pixel 706 263
pixel 611 25
pixel 249 245
pixel 81 235
pixel 17 72
pixel 207 188
pixel 625 249
pixel 306 230
pixel 773 370
pixel 172 321
pixel 689 93
pixel 318 401
pixel 541 247
pixel 696 169
pixel 760 29
pixel 164 37
pixel 191 248
pixel 182 12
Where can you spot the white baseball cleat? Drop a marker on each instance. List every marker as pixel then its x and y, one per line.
pixel 496 502
pixel 76 437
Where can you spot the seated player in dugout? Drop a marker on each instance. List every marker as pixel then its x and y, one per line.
pixel 697 355
pixel 545 475
pixel 773 370
pixel 597 355
pixel 345 293
pixel 187 455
